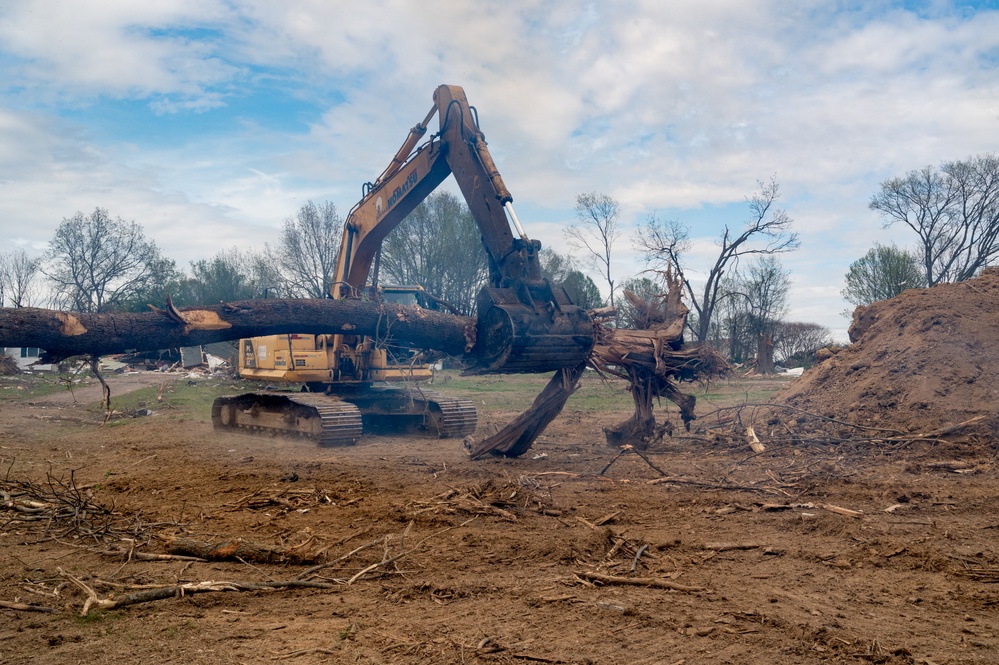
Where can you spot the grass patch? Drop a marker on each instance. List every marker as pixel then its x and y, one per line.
pixel 186 399
pixel 183 399
pixel 516 392
pixel 98 616
pixel 31 386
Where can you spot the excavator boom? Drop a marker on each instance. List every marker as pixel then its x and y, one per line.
pixel 525 324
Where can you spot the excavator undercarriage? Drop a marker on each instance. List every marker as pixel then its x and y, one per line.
pixel 340 419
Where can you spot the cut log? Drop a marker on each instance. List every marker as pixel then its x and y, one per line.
pixel 64 334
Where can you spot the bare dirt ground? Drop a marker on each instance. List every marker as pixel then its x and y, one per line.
pixel 808 553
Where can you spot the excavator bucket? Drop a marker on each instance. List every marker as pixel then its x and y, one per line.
pixel 530 327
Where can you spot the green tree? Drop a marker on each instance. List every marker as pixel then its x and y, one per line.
pixel 555 266
pixel 232 275
pixel 165 279
pixel 883 273
pixel 581 289
pixel 644 288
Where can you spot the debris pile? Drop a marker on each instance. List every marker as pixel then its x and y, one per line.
pixel 8 366
pixel 925 362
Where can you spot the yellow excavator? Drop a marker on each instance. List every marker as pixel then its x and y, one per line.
pixel 524 323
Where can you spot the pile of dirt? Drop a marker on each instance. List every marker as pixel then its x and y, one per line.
pixel 925 360
pixel 8 366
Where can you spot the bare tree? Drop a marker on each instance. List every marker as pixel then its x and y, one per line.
pixel 308 250
pixel 4 278
pixel 793 340
pixel 96 263
pixel 767 232
pixel 766 289
pixel 883 273
pixel 595 230
pixel 953 211
pixel 20 274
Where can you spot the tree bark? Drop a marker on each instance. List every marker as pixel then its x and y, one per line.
pixel 765 355
pixel 64 334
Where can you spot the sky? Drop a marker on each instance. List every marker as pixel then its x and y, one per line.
pixel 210 122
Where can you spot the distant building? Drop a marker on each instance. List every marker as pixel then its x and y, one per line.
pixel 26 357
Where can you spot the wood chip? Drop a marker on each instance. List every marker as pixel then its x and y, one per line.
pixel 839 510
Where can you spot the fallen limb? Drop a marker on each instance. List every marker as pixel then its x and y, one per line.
pixel 305 652
pixel 639 581
pixel 180 590
pixel 146 556
pixel 516 438
pixel 23 607
pixel 236 550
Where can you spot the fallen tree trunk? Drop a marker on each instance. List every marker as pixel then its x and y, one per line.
pixel 64 334
pixel 653 360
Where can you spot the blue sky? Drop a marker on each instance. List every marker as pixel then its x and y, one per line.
pixel 211 121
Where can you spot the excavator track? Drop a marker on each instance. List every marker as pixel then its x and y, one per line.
pixel 397 410
pixel 340 420
pixel 457 417
pixel 325 419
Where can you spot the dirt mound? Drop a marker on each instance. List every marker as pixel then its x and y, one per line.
pixel 922 361
pixel 8 366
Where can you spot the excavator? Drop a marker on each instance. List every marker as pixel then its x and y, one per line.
pixel 524 323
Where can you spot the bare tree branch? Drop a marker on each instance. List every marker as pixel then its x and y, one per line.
pixel 768 231
pixel 595 230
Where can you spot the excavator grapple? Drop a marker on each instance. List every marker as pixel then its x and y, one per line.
pixel 530 330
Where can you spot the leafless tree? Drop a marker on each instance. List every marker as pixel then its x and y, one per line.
pixel 96 263
pixel 594 231
pixel 954 211
pixel 308 250
pixel 439 247
pixel 18 275
pixel 4 278
pixel 793 340
pixel 767 232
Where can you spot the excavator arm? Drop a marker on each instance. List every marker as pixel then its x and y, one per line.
pixel 525 324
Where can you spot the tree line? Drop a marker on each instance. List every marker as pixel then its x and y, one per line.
pixel 739 301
